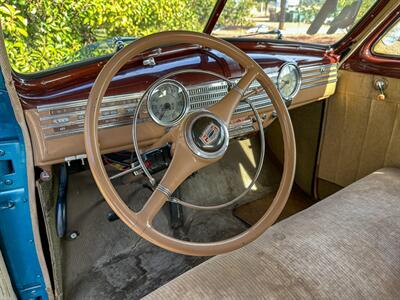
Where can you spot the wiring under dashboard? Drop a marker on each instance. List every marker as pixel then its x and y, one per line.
pixel 119 160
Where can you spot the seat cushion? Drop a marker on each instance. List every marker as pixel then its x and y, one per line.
pixel 347 246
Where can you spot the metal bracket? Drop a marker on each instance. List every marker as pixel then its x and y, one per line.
pixel 149 60
pixel 80 157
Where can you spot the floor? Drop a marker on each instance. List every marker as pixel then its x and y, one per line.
pixel 251 212
pixel 109 261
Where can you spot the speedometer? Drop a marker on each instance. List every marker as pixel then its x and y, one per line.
pixel 289 81
pixel 168 103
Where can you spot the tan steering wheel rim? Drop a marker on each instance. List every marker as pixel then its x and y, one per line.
pixel 183 159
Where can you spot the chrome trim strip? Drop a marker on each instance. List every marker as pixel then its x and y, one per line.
pixel 80 130
pixel 82 112
pixel 318 73
pixel 83 102
pixel 307 86
pixel 77 122
pixel 316 67
pixel 314 79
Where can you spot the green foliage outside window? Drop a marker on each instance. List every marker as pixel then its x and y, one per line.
pixel 237 13
pixel 41 34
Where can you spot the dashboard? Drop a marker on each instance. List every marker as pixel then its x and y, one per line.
pixel 55 113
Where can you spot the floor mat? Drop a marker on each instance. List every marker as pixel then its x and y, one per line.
pixel 251 212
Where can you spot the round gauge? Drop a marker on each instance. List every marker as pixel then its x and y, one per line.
pixel 289 81
pixel 168 103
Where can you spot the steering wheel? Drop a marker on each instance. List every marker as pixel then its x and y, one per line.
pixel 188 155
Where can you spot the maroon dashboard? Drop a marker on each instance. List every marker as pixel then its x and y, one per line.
pixel 55 102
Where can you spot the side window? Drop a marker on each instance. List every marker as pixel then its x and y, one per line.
pixel 389 43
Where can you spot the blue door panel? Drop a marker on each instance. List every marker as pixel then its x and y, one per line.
pixel 16 234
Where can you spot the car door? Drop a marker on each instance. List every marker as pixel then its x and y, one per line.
pixel 18 243
pixel 362 119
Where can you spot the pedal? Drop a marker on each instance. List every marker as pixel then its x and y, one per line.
pixel 176 213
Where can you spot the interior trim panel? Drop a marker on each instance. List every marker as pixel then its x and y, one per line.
pixel 362 133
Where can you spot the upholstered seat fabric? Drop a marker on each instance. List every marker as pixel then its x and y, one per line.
pixel 347 246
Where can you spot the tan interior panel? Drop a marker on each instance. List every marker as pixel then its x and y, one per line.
pixel 306 123
pixel 362 134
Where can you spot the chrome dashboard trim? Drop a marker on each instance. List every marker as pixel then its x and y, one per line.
pixel 307 86
pixel 307 79
pixel 318 67
pixel 75 103
pixel 67 118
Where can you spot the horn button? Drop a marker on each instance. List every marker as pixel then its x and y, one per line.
pixel 207 135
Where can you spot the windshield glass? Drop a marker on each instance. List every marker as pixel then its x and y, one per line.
pixel 308 21
pixel 43 34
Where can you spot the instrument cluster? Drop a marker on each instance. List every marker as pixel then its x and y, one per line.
pixel 169 101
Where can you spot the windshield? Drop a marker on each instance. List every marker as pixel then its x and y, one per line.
pixel 308 21
pixel 43 34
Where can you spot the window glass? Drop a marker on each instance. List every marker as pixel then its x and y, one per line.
pixel 389 43
pixel 309 21
pixel 42 34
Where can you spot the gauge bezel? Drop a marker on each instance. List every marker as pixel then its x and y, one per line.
pixel 297 89
pixel 185 108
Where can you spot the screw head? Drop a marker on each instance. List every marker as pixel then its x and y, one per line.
pixel 73 235
pixel 2 152
pixel 8 182
pixel 45 176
